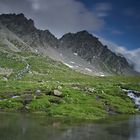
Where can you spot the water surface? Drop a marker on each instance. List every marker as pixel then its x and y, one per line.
pixel 34 127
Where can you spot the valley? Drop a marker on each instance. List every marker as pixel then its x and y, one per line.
pixel 75 76
pixel 81 96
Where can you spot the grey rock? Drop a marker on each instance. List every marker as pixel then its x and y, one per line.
pixel 25 29
pixel 82 44
pixel 38 92
pixel 89 48
pixel 57 93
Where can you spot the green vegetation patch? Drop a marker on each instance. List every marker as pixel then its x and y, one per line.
pixel 83 96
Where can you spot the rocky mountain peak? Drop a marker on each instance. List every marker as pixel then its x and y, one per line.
pixel 17 22
pixel 89 48
pixel 81 35
pixel 83 46
pixel 25 29
pixel 84 35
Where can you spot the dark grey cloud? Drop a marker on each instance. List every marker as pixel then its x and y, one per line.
pixel 11 6
pixel 59 16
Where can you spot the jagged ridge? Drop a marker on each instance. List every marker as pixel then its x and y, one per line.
pixel 88 47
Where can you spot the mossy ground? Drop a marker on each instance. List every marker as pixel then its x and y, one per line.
pixel 83 96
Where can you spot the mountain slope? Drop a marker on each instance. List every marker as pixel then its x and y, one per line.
pixel 25 30
pixel 31 81
pixel 91 49
pixel 81 51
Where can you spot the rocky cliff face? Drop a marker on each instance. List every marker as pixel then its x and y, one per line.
pixel 24 28
pixel 92 50
pixel 87 47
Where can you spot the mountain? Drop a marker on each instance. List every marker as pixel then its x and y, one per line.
pixel 43 74
pixel 25 30
pixel 93 51
pixel 80 51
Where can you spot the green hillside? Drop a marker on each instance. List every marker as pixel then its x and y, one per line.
pixel 34 79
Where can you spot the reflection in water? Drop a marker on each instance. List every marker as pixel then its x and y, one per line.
pixel 27 127
pixel 135 123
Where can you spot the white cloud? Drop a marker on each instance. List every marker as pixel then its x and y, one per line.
pixel 64 16
pixel 102 14
pixel 103 6
pixel 58 16
pixel 103 9
pixel 35 4
pixel 133 56
pixel 117 32
pixel 61 16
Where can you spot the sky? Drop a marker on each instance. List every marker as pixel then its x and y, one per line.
pixel 115 22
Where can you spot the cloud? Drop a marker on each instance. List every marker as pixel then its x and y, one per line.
pixel 103 6
pixel 133 56
pixel 35 4
pixel 65 16
pixel 103 9
pixel 116 32
pixel 59 16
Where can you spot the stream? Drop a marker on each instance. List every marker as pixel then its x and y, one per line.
pixel 134 95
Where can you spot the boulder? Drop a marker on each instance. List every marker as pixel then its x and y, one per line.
pixel 57 93
pixel 37 92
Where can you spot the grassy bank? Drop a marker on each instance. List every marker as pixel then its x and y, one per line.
pixel 83 100
pixel 81 96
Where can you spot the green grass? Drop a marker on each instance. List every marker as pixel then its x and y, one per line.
pixel 76 101
pixel 10 105
pixel 11 61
